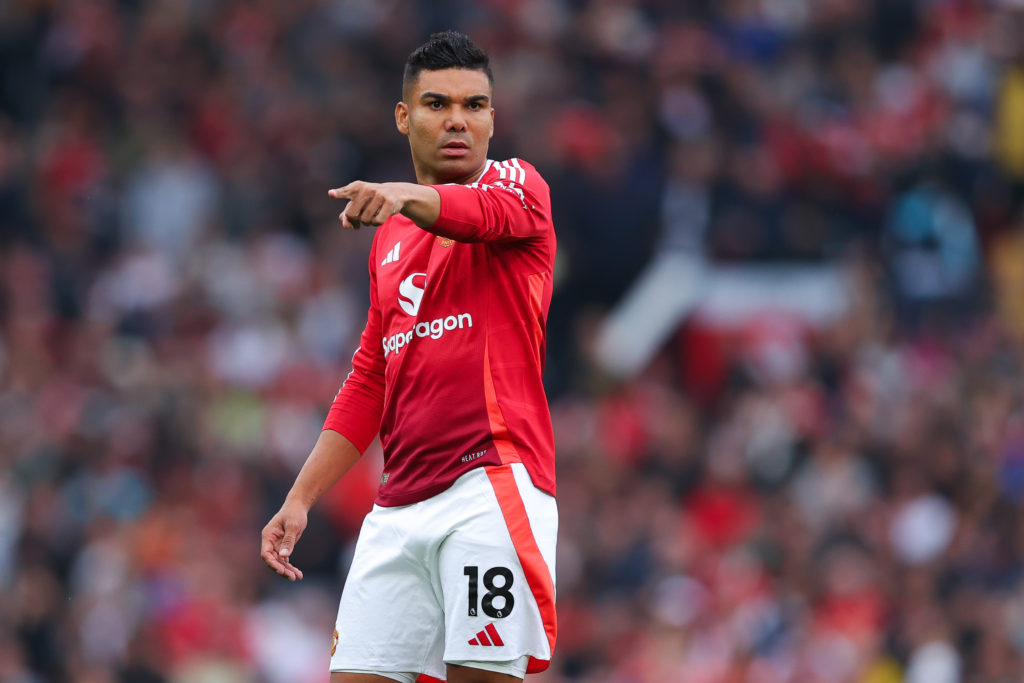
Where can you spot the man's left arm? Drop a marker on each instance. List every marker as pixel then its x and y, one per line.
pixel 515 207
pixel 512 209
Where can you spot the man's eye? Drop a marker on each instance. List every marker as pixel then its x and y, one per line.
pixel 435 105
pixel 475 106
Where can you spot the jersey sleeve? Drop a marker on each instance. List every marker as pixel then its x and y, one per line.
pixel 514 206
pixel 357 409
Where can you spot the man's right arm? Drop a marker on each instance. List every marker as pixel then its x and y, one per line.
pixel 351 425
pixel 331 457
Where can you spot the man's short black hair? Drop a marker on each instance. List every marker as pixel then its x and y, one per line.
pixel 446 50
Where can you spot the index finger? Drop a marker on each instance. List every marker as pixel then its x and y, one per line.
pixel 344 192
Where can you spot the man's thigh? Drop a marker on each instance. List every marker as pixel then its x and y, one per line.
pixel 456 674
pixel 390 618
pixel 496 573
pixel 351 677
pixel 466 674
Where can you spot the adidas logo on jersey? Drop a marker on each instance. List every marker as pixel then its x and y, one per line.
pixel 392 255
pixel 511 170
pixel 489 636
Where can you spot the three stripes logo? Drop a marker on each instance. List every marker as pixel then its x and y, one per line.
pixel 511 176
pixel 489 636
pixel 392 255
pixel 511 170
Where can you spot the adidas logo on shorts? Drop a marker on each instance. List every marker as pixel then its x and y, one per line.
pixel 489 636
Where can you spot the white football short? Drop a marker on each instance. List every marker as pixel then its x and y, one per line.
pixel 465 577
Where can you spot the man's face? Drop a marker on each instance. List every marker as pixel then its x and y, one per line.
pixel 448 117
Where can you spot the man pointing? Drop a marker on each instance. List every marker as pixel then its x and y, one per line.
pixel 453 574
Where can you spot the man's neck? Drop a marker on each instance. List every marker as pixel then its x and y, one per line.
pixel 424 177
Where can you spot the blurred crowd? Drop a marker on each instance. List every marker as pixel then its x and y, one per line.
pixel 774 501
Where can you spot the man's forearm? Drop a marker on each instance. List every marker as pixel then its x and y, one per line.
pixel 422 204
pixel 331 457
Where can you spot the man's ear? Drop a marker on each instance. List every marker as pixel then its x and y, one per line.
pixel 492 123
pixel 402 118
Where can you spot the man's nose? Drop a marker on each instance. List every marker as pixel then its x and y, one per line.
pixel 456 122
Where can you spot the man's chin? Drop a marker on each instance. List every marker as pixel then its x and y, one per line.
pixel 458 170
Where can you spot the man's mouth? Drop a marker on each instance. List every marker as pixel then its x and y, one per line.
pixel 455 148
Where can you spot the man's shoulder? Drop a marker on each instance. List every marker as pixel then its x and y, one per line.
pixel 514 170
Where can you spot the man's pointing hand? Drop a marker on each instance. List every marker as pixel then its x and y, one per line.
pixel 369 203
pixel 374 203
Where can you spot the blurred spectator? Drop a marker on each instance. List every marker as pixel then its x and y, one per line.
pixel 932 250
pixel 1007 266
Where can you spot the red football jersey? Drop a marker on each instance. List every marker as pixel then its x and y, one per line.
pixel 449 366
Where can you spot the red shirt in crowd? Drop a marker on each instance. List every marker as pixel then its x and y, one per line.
pixel 449 365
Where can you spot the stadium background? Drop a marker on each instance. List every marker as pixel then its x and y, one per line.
pixel 785 347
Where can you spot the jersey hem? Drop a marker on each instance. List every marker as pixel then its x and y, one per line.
pixel 410 497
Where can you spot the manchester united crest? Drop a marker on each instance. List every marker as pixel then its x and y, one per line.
pixel 444 241
pixel 334 642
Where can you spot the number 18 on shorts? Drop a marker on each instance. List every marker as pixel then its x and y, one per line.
pixel 464 576
pixel 500 590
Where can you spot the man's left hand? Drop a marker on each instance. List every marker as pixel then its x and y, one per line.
pixel 369 203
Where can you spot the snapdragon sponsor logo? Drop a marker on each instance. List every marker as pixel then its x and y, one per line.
pixel 410 294
pixel 435 329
